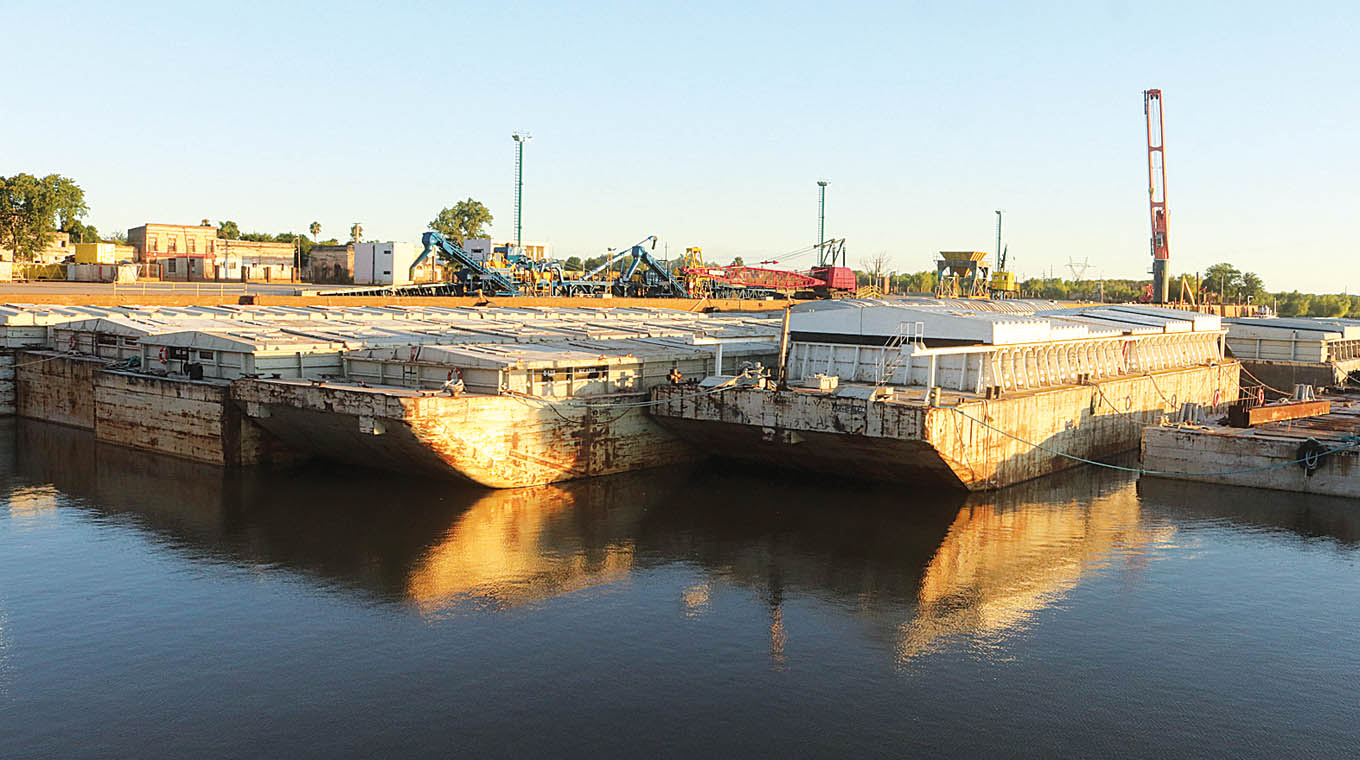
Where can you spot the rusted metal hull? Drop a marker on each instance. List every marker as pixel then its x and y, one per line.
pixel 496 441
pixel 977 444
pixel 1266 456
pixel 183 418
pixel 1284 375
pixel 7 383
pixel 56 387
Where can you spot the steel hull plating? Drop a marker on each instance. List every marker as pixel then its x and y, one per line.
pixel 977 444
pixel 497 441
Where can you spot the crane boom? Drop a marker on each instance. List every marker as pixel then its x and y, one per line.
pixel 1161 251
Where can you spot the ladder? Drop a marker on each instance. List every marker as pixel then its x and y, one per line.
pixel 908 333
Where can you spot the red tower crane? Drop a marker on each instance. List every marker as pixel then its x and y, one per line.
pixel 1161 252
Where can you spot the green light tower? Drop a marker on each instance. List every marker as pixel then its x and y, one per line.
pixel 520 138
pixel 821 221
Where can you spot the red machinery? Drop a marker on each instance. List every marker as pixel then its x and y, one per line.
pixel 738 281
pixel 836 279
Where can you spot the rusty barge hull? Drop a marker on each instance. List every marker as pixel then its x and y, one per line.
pixel 499 441
pixel 973 444
pixel 189 419
pixel 1266 456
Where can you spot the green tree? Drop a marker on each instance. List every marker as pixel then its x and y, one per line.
pixel 573 264
pixel 464 220
pixel 1223 279
pixel 1329 306
pixel 1294 303
pixel 302 242
pixel 31 209
pixel 228 230
pixel 356 232
pixel 81 233
pixel 737 262
pixel 1252 287
pixel 315 229
pixel 119 237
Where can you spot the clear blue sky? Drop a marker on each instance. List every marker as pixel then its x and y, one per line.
pixel 709 123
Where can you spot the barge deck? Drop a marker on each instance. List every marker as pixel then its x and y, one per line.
pixel 1318 454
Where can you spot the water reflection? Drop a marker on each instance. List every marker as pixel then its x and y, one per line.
pixel 921 570
pixel 1004 560
pixel 525 545
pixel 1298 514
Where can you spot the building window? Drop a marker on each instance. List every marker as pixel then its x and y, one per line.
pixel 205 356
pixel 191 245
pixel 151 244
pixel 170 266
pixel 171 245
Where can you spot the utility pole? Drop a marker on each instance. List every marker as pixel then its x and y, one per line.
pixel 520 138
pixel 821 221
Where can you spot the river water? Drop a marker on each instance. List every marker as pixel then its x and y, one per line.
pixel 151 607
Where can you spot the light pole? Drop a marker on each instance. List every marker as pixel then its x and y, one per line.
pixel 821 221
pixel 520 138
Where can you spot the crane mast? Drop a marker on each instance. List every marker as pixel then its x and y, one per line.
pixel 1161 252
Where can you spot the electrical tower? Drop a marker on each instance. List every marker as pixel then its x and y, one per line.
pixel 520 138
pixel 1078 268
pixel 822 220
pixel 1161 252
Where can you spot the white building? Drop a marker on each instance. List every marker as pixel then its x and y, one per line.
pixel 384 263
pixel 482 248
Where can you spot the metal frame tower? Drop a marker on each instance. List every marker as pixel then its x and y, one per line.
pixel 1161 251
pixel 821 221
pixel 1000 262
pixel 520 138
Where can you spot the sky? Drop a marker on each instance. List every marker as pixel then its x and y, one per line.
pixel 708 124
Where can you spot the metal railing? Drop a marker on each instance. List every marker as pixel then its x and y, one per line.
pixel 1005 367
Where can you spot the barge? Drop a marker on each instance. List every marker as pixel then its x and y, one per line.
pixel 957 398
pixel 1305 447
pixel 519 415
pixel 1281 353
pixel 500 397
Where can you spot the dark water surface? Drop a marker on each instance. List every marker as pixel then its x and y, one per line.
pixel 154 608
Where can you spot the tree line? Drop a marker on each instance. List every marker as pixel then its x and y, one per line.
pixel 1220 283
pixel 33 208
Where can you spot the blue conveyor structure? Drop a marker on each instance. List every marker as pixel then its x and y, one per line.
pixel 471 275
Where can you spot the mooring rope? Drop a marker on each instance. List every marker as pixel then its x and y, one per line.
pixel 1247 372
pixel 1352 442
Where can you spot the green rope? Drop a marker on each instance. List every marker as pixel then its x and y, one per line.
pixel 1353 442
